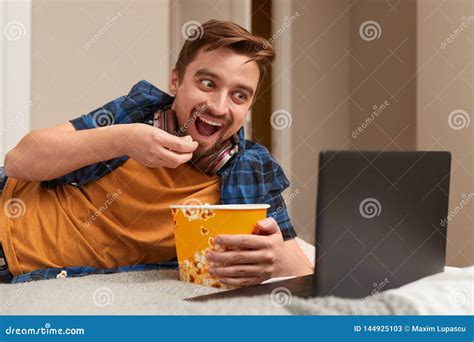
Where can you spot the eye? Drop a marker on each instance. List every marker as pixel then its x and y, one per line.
pixel 207 83
pixel 241 96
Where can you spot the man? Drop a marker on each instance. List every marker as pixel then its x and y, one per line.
pixel 92 195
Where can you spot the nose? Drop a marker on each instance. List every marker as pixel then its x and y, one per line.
pixel 218 104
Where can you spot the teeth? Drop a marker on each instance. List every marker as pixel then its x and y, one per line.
pixel 211 122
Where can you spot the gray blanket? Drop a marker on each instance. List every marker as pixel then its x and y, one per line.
pixel 161 293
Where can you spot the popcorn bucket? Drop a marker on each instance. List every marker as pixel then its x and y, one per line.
pixel 196 226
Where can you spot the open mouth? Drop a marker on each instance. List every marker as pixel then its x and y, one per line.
pixel 207 127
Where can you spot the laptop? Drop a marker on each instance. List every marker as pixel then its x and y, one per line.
pixel 380 224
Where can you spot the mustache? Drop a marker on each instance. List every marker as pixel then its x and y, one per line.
pixel 204 109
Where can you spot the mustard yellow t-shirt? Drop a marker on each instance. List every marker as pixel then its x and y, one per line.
pixel 121 219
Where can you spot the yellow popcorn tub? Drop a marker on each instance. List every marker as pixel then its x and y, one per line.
pixel 196 226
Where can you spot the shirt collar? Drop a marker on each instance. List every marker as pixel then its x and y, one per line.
pixel 241 135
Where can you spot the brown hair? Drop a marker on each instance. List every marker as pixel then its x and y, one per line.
pixel 214 34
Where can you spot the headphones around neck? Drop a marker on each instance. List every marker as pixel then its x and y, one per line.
pixel 167 120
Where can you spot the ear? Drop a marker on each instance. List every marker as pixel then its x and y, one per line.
pixel 174 82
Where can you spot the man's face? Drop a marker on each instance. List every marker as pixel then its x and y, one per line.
pixel 214 97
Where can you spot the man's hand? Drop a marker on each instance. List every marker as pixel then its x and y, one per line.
pixel 154 147
pixel 250 259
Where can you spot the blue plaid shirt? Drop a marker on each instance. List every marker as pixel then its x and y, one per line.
pixel 252 176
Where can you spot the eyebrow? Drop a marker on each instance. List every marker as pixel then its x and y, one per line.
pixel 209 73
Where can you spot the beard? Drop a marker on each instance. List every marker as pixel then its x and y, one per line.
pixel 204 148
pixel 203 151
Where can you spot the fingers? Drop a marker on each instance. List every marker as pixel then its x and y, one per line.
pixel 243 241
pixel 242 281
pixel 239 271
pixel 240 257
pixel 266 226
pixel 179 144
pixel 172 159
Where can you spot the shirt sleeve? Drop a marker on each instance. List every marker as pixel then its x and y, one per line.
pixel 3 179
pixel 278 209
pixel 269 181
pixel 140 104
pixel 137 106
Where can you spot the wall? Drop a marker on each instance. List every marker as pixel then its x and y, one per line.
pixel 445 85
pixel 318 81
pixel 86 53
pixel 404 66
pixel 15 64
pixel 382 76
